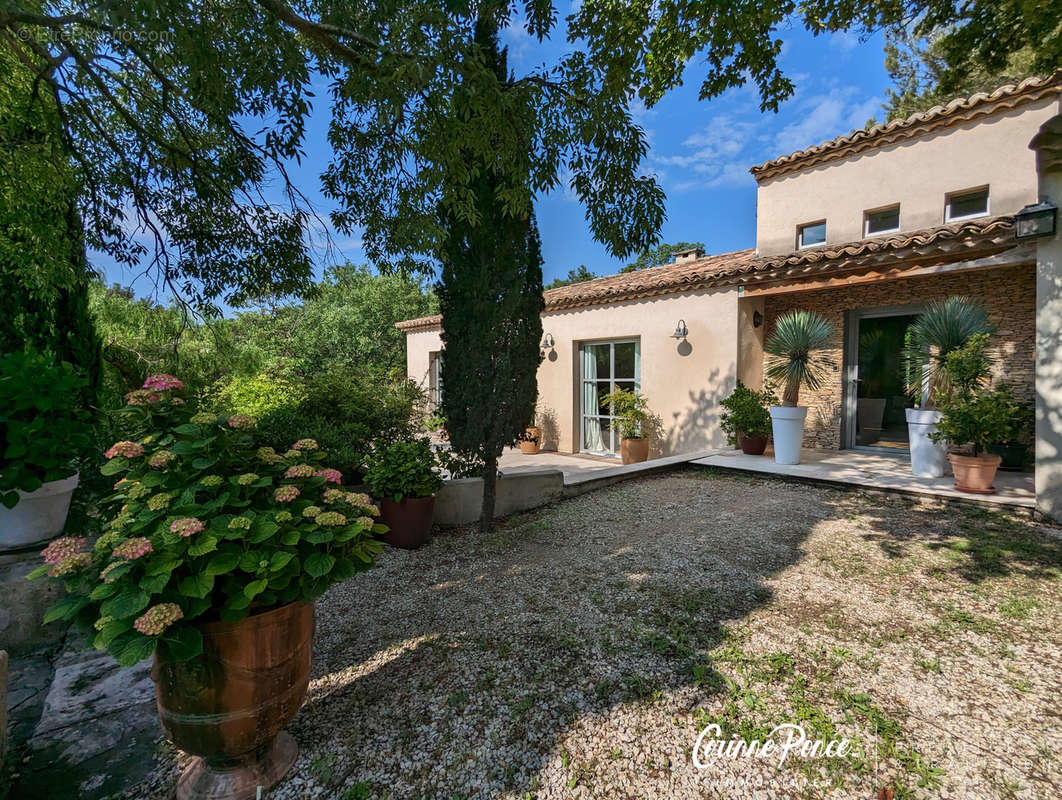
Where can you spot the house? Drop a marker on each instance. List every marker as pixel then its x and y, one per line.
pixel 865 229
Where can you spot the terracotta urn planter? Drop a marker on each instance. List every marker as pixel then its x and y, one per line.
pixel 409 521
pixel 531 444
pixel 229 705
pixel 634 451
pixel 974 474
pixel 752 445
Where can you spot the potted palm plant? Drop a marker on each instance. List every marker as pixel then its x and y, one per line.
pixel 943 327
pixel 794 361
pixel 210 561
pixel 42 429
pixel 746 419
pixel 404 475
pixel 631 412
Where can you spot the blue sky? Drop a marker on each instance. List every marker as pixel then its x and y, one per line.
pixel 701 151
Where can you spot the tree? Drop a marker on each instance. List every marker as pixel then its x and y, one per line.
pixel 490 296
pixel 661 254
pixel 574 276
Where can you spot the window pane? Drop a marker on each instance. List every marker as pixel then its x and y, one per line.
pixel 625 360
pixel 624 386
pixel 969 204
pixel 603 388
pixel 813 234
pixel 882 221
pixel 606 436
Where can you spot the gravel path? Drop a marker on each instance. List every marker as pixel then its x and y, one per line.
pixel 579 650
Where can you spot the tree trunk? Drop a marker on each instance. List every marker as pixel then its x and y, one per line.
pixel 490 482
pixel 791 394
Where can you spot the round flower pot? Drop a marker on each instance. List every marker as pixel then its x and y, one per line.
pixel 752 445
pixel 530 445
pixel 787 425
pixel 974 474
pixel 928 458
pixel 38 516
pixel 1013 456
pixel 228 706
pixel 408 521
pixel 634 451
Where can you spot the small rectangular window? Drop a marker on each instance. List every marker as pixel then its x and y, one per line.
pixel 811 234
pixel 965 205
pixel 885 220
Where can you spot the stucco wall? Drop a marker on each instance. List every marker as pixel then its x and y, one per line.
pixel 419 345
pixel 1007 293
pixel 916 174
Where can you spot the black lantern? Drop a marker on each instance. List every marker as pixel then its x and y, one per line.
pixel 547 342
pixel 1036 220
pixel 680 330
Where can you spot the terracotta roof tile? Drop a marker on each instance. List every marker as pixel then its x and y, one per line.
pixel 969 239
pixel 958 111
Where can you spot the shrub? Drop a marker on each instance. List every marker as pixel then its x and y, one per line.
pixel 746 412
pixel 42 427
pixel 204 525
pixel 403 469
pixel 980 418
pixel 631 411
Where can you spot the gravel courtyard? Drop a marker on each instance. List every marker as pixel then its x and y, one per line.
pixel 579 650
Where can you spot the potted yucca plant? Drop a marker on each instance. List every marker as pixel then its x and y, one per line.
pixel 945 326
pixel 794 361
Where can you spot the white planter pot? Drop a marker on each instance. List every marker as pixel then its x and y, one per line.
pixel 38 516
pixel 787 424
pixel 928 459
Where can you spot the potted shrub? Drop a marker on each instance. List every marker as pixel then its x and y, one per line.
pixel 943 327
pixel 630 410
pixel 404 476
pixel 794 361
pixel 746 419
pixel 529 441
pixel 42 429
pixel 212 555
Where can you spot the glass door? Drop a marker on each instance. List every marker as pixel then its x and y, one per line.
pixel 606 367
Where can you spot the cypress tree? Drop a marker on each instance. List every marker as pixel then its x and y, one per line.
pixel 490 297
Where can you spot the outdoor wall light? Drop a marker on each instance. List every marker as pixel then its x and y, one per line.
pixel 1036 220
pixel 757 319
pixel 680 330
pixel 547 342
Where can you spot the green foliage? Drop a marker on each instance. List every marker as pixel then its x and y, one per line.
pixel 202 525
pixel 403 469
pixel 746 412
pixel 944 326
pixel 980 418
pixel 260 396
pixel 580 275
pixel 794 360
pixel 631 411
pixel 42 425
pixel 661 254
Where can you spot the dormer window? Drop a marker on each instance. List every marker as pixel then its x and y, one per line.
pixel 882 220
pixel 811 234
pixel 966 204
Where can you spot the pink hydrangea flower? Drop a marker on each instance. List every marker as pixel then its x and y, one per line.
pixel 106 576
pixel 330 475
pixel 158 618
pixel 331 518
pixel 334 495
pixel 70 564
pixel 285 494
pixel 242 422
pixel 125 450
pixel 63 547
pixel 163 382
pixel 366 522
pixel 186 526
pixel 299 471
pixel 160 459
pixel 142 397
pixel 359 499
pixel 305 444
pixel 132 549
pixel 269 455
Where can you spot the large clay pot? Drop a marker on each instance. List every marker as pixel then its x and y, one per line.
pixel 928 458
pixel 787 425
pixel 38 516
pixel 974 474
pixel 634 451
pixel 229 705
pixel 530 446
pixel 752 445
pixel 409 521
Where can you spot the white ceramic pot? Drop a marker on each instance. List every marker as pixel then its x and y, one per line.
pixel 787 424
pixel 38 516
pixel 928 458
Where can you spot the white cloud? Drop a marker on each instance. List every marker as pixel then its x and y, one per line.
pixel 824 116
pixel 845 41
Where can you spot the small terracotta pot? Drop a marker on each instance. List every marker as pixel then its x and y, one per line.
pixel 752 445
pixel 229 705
pixel 974 474
pixel 409 521
pixel 528 448
pixel 634 451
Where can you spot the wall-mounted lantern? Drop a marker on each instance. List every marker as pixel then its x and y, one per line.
pixel 547 343
pixel 1036 220
pixel 757 319
pixel 680 330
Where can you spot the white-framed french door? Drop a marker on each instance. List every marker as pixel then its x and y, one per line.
pixel 605 367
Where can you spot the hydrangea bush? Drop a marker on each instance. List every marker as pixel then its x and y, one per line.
pixel 203 525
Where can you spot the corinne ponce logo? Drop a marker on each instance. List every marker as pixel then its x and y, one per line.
pixel 796 742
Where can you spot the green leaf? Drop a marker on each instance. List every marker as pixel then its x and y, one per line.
pixel 203 463
pixel 40 572
pixel 262 530
pixel 319 564
pixel 254 588
pixel 238 602
pixel 182 642
pixel 129 602
pixel 319 536
pixel 198 585
pixel 155 584
pixel 101 591
pixel 188 429
pixel 222 563
pixel 65 608
pixel 290 538
pixel 133 650
pixel 204 543
pixel 162 564
pixel 250 561
pixel 114 466
pixel 108 633
pixel 280 560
